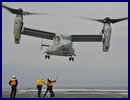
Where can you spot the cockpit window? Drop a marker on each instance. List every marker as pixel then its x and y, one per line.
pixel 58 38
pixel 66 37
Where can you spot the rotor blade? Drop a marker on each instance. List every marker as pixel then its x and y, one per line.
pixel 30 13
pixel 98 20
pixel 13 11
pixel 118 20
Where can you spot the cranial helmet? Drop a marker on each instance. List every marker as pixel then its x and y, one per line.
pixel 14 76
pixel 41 78
pixel 49 78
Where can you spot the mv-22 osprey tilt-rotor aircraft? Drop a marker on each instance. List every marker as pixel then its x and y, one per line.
pixel 63 45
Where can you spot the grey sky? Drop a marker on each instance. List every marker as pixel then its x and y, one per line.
pixel 91 67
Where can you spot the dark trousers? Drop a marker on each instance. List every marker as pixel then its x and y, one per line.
pixel 39 87
pixel 49 88
pixel 13 92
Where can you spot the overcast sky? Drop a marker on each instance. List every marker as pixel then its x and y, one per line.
pixel 91 67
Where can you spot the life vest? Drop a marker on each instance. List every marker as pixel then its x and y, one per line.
pixel 50 83
pixel 13 82
pixel 40 82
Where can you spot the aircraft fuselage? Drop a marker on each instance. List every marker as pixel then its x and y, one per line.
pixel 62 46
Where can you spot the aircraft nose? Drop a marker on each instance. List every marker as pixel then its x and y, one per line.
pixel 65 43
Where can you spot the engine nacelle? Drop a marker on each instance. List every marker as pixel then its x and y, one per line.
pixel 106 42
pixel 18 26
pixel 17 38
pixel 106 36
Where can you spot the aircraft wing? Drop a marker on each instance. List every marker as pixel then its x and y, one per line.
pixel 38 33
pixel 87 38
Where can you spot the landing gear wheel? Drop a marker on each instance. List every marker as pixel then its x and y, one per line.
pixel 46 56
pixel 71 58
